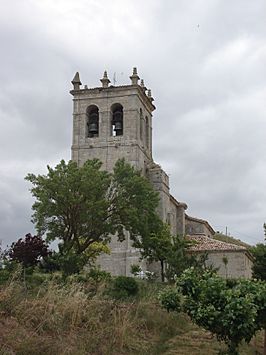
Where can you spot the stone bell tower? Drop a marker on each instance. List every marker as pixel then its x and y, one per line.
pixel 112 122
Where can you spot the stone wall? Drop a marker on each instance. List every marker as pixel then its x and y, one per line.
pixel 122 256
pixel 135 146
pixel 196 226
pixel 239 263
pixel 136 149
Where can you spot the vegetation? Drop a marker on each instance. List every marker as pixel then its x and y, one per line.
pixel 170 299
pixel 28 251
pixel 259 265
pixel 259 272
pixel 49 310
pixel 232 310
pixel 157 247
pixel 172 252
pixel 124 287
pixel 64 316
pixel 82 207
pixel 231 240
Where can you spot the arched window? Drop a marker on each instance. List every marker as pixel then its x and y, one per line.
pixel 141 124
pixel 117 120
pixel 93 121
pixel 147 131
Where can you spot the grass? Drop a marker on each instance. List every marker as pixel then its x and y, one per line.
pixel 66 318
pixel 230 240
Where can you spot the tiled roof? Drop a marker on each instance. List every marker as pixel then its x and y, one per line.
pixel 204 243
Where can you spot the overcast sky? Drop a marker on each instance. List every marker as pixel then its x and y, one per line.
pixel 204 61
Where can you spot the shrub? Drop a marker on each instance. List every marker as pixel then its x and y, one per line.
pixel 29 250
pixel 51 263
pixel 233 311
pixel 99 275
pixel 124 287
pixel 36 279
pixel 135 269
pixel 4 276
pixel 69 264
pixel 170 299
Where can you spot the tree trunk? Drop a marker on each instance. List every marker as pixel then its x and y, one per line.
pixel 233 348
pixel 162 270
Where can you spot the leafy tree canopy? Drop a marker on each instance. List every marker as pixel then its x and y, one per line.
pixel 29 250
pixel 172 251
pixel 82 206
pixel 259 265
pixel 233 311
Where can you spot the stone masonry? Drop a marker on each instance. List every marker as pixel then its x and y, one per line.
pixel 113 122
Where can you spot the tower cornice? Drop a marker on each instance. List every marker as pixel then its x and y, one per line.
pixel 115 89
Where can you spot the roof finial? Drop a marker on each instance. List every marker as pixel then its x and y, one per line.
pixel 143 85
pixel 76 81
pixel 105 81
pixel 149 95
pixel 134 77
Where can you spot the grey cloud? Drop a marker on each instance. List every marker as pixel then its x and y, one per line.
pixel 207 81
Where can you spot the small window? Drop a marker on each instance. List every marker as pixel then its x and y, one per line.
pixel 93 121
pixel 117 120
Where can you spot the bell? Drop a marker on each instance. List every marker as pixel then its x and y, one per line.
pixel 117 116
pixel 93 116
pixel 93 128
pixel 118 126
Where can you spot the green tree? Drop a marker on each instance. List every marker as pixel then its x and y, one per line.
pixel 259 264
pixel 28 251
pixel 83 206
pixel 171 251
pixel 233 311
pixel 157 247
pixel 179 258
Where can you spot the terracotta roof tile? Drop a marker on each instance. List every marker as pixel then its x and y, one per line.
pixel 204 243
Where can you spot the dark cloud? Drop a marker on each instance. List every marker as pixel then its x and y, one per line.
pixel 204 61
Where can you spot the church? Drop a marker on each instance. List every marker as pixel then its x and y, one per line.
pixel 113 122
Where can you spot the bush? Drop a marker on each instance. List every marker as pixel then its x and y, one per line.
pixel 233 311
pixel 93 276
pixel 69 264
pixel 99 275
pixel 124 287
pixel 135 269
pixel 29 250
pixel 51 263
pixel 170 299
pixel 4 276
pixel 36 279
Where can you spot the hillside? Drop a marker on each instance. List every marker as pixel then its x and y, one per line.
pixel 65 319
pixel 230 240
